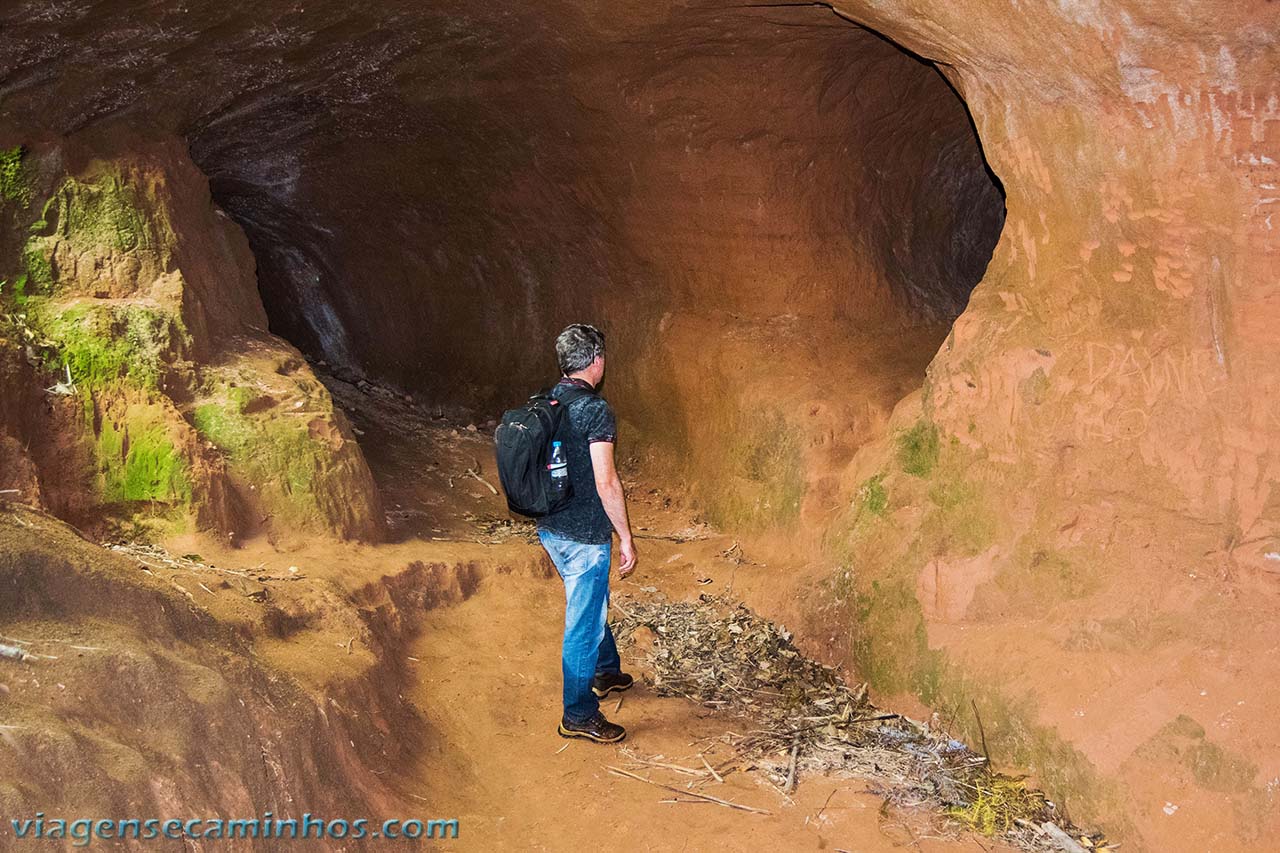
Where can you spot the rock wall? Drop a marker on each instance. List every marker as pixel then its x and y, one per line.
pixel 141 385
pixel 1077 522
pixel 209 692
pixel 171 709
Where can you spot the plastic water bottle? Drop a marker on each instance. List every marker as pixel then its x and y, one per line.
pixel 559 467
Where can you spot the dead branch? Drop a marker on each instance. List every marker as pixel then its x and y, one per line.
pixel 683 793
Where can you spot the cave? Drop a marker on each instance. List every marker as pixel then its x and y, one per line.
pixel 776 179
pixel 940 339
pixel 760 168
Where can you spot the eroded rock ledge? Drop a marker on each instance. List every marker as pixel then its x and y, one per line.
pixel 142 384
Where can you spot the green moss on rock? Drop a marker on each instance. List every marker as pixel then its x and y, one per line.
pixel 274 452
pixel 119 356
pixel 959 520
pixel 873 496
pixel 890 643
pixel 14 187
pixel 104 212
pixel 15 292
pixel 106 344
pixel 766 482
pixel 38 263
pixel 918 449
pixel 83 226
pixel 138 460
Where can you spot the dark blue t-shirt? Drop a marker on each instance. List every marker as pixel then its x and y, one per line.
pixel 583 519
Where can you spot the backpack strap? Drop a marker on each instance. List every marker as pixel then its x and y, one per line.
pixel 560 405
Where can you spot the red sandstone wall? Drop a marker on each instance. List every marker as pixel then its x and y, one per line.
pixel 1109 398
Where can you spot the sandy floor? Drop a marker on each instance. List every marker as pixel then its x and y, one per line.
pixel 488 685
pixel 485 675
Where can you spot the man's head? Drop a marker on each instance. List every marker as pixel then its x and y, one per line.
pixel 580 352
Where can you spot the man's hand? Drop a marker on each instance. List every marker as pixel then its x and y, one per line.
pixel 627 548
pixel 609 487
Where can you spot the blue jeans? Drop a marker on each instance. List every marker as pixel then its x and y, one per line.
pixel 588 643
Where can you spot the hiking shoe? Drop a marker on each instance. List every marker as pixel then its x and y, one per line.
pixel 597 729
pixel 611 682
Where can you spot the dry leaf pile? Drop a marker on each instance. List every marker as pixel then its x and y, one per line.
pixel 492 530
pixel 805 719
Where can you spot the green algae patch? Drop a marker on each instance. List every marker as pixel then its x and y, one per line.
pixel 103 213
pixel 872 495
pixel 15 292
pixel 37 263
pixel 139 461
pixel 106 345
pixel 14 185
pixel 96 236
pixel 766 474
pixel 958 519
pixel 890 644
pixel 229 430
pixel 273 451
pixel 918 449
pixel 119 358
pixel 107 214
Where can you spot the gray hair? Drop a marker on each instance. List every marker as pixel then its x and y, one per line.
pixel 577 346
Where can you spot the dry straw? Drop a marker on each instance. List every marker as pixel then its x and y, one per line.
pixel 804 719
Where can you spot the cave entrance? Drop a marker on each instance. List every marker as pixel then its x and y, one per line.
pixel 775 214
pixel 817 204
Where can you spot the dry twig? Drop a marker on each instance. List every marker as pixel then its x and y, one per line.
pixel 707 797
pixel 471 472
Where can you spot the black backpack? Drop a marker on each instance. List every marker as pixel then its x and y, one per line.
pixel 523 447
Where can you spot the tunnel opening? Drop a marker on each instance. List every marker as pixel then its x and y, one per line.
pixel 776 214
pixel 774 158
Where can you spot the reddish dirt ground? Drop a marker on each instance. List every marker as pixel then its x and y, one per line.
pixel 483 673
pixel 489 684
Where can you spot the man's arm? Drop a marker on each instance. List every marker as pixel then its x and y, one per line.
pixel 609 486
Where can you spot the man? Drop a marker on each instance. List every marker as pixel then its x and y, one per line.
pixel 579 536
